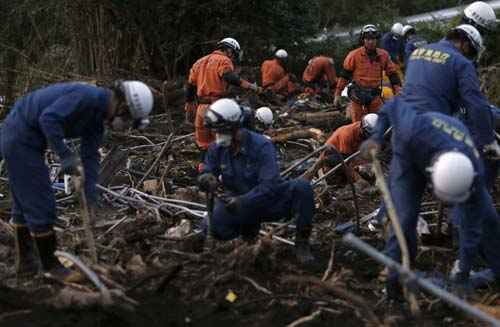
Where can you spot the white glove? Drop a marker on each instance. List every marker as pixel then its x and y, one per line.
pixel 492 150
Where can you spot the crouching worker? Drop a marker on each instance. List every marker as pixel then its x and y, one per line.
pixel 44 118
pixel 344 142
pixel 245 164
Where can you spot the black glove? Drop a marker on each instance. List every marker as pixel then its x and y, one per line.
pixel 70 165
pixel 332 156
pixel 366 148
pixel 232 203
pixel 207 182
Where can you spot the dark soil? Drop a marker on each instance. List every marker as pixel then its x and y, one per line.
pixel 176 286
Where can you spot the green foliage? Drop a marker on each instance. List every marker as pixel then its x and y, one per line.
pixel 52 40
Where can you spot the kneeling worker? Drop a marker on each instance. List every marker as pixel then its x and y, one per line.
pixel 245 164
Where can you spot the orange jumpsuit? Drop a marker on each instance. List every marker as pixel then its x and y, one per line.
pixel 347 140
pixel 207 76
pixel 367 73
pixel 319 71
pixel 275 77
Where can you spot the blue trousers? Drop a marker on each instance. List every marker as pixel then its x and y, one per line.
pixel 479 226
pixel 490 232
pixel 23 149
pixel 407 185
pixel 295 201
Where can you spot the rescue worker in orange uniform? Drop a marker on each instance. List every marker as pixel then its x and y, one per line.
pixel 319 75
pixel 346 140
pixel 208 81
pixel 275 76
pixel 365 67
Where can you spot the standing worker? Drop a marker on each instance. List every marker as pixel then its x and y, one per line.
pixel 44 118
pixel 365 66
pixel 320 75
pixel 413 41
pixel 245 164
pixel 480 15
pixel 275 76
pixel 208 81
pixel 441 77
pixel 393 43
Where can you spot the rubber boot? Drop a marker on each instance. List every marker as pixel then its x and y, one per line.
pixel 52 268
pixel 26 264
pixel 302 246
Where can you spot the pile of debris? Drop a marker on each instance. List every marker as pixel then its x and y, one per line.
pixel 150 212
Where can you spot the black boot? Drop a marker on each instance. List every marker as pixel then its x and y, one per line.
pixel 46 244
pixel 26 264
pixel 302 246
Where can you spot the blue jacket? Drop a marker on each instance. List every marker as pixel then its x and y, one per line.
pixel 411 44
pixel 417 140
pixel 393 44
pixel 252 173
pixel 69 110
pixel 440 79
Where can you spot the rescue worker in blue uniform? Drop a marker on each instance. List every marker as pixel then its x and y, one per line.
pixel 441 77
pixel 245 164
pixel 394 43
pixel 440 146
pixel 412 41
pixel 44 118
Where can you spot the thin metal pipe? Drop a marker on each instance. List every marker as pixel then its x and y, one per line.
pixel 410 277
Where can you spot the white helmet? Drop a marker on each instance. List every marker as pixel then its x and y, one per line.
pixel 265 116
pixel 139 100
pixel 281 54
pixel 370 30
pixel 368 123
pixel 407 28
pixel 231 43
pixel 223 114
pixel 474 37
pixel 481 14
pixel 397 29
pixel 452 175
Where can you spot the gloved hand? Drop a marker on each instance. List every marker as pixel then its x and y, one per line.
pixel 332 157
pixel 255 88
pixel 207 182
pixel 336 101
pixel 71 165
pixel 232 203
pixel 367 147
pixel 190 112
pixel 492 151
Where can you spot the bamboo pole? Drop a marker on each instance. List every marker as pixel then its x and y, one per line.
pixel 396 226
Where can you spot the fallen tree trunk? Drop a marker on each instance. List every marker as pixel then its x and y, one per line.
pixel 289 134
pixel 330 119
